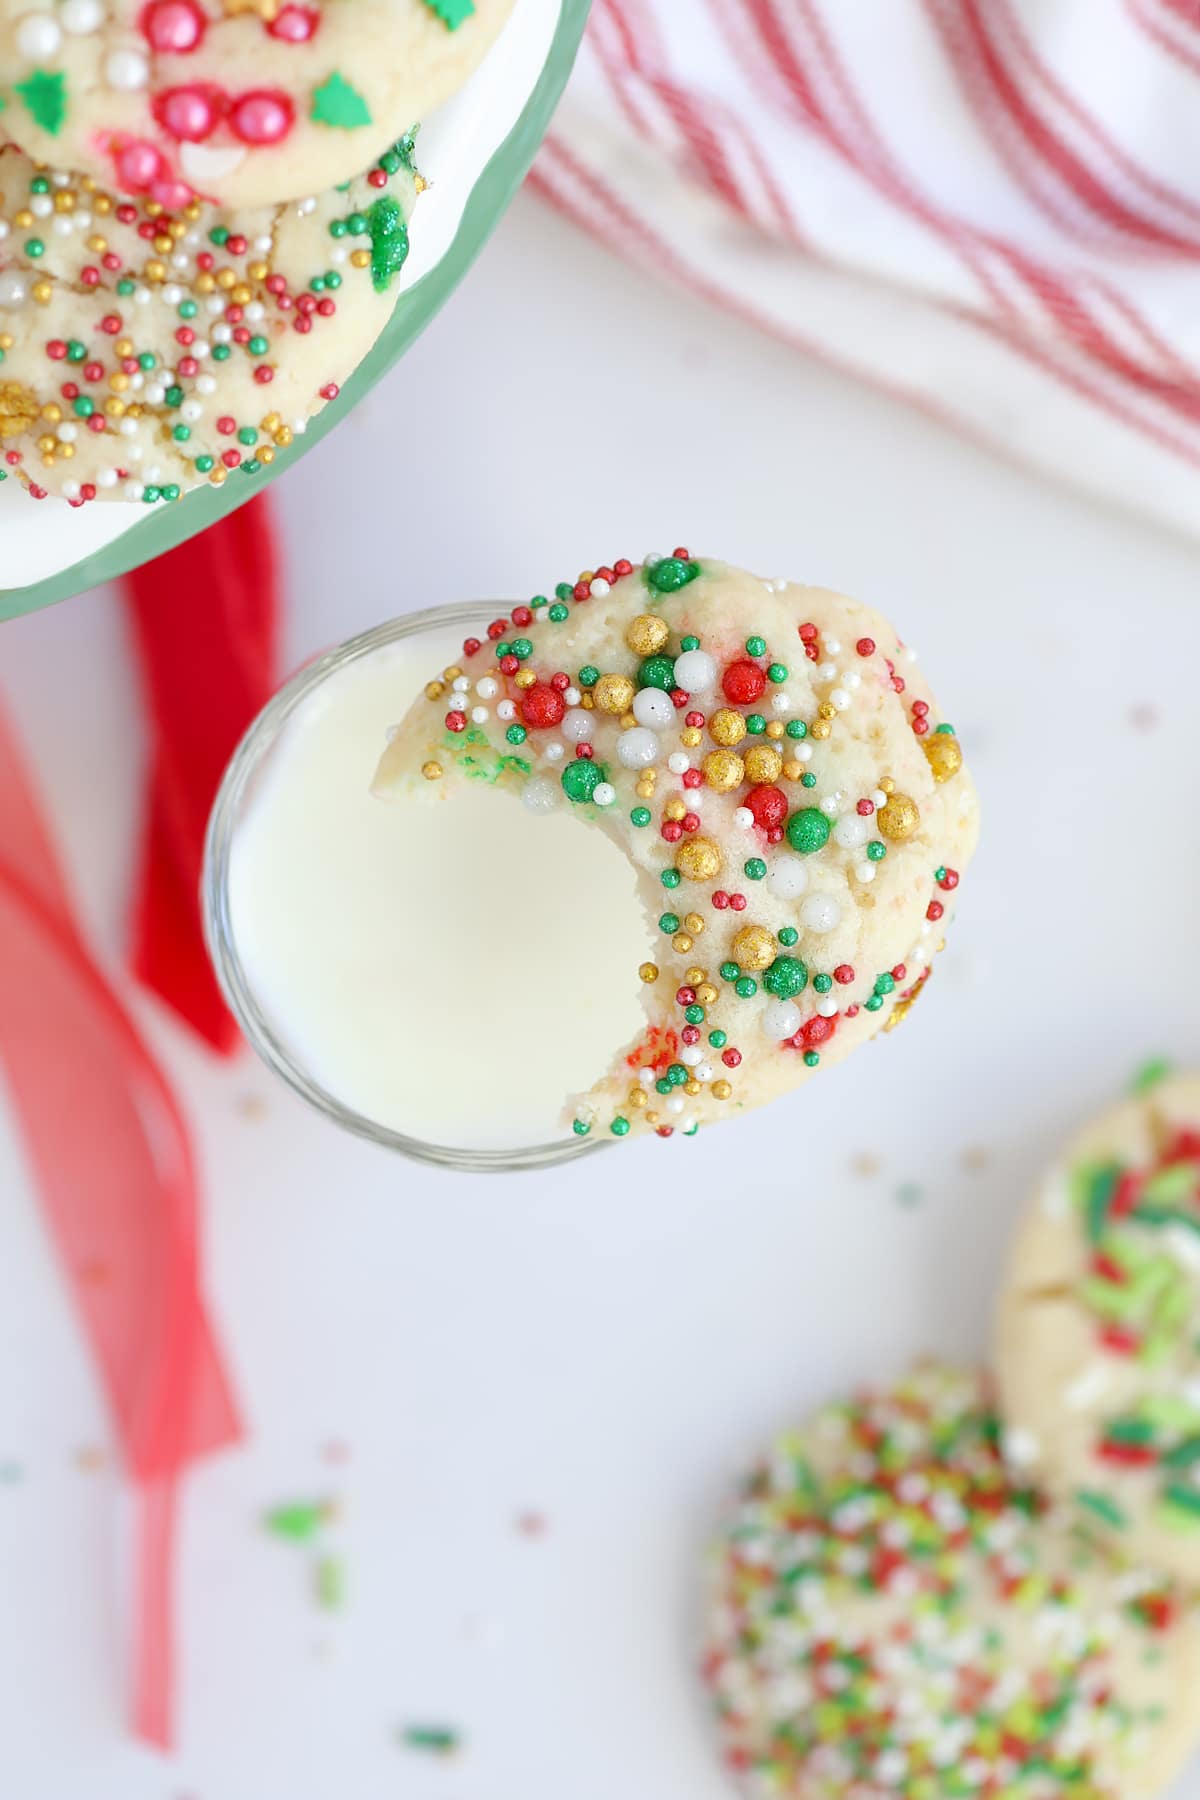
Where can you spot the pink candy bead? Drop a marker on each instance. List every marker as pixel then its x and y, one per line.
pixel 173 27
pixel 295 24
pixel 138 164
pixel 189 113
pixel 263 116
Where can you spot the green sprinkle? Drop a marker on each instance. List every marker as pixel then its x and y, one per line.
pixel 718 1039
pixel 670 878
pixel 884 983
pixel 1103 1507
pixel 523 649
pixel 559 612
pixel 729 971
pixel 1149 1075
pixel 694 1015
pixel 787 936
pixel 746 986
pixel 876 850
pixel 330 1581
pixel 670 574
pixel 821 983
pixel 811 1059
pixel 668 922
pixel 756 646
pixel 754 869
pixel 808 779
pixel 247 435
pixel 221 352
pixel 589 675
pixel 808 830
pixel 657 672
pixel 34 247
pixel 619 1127
pixel 873 1004
pixel 796 728
pixel 580 1128
pixel 440 1740
pixel 516 734
pixel 690 643
pixel 299 1522
pixel 756 724
pixel 640 815
pixel 564 590
pixel 778 672
pixel 786 977
pixel 580 779
pixel 204 464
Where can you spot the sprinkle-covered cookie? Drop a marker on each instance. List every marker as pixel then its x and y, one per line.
pixel 770 760
pixel 1099 1339
pixel 891 1613
pixel 144 352
pixel 240 102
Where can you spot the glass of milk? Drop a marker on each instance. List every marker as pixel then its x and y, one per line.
pixel 415 971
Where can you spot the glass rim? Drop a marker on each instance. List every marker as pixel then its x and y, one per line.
pixel 235 984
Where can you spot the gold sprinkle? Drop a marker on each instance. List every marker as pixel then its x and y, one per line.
pixel 721 1090
pixel 886 785
pixel 628 721
pixel 586 701
pixel 792 771
pixel 699 859
pixel 613 693
pixel 649 971
pixel 691 736
pixel 691 1085
pixel 827 710
pixel 943 754
pixel 637 1098
pixel 646 634
pixel 652 1117
pixel 42 292
pixel 695 924
pixel 265 454
pixel 118 382
pixel 898 818
pixel 360 259
pixel 694 976
pixel 724 770
pixel 432 771
pixel 763 763
pixel 820 729
pixel 775 728
pixel 452 673
pixel 434 690
pixel 727 727
pixel 674 810
pixel 524 678
pixel 682 942
pixel 706 993
pixel 754 947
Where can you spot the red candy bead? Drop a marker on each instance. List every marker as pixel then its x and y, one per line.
pixel 844 973
pixel 560 682
pixel 497 628
pixel 672 831
pixel 808 634
pixel 522 615
pixel 692 778
pixel 685 996
pixel 456 721
pixel 623 567
pixel 510 664
pixel 934 910
pixel 769 806
pixel 471 646
pixel 731 1058
pixel 720 900
pixel 865 646
pixel 949 880
pixel 742 683
pixel 542 706
pixel 865 808
pixel 738 902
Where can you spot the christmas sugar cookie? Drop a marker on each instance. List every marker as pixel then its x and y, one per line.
pixel 1099 1340
pixel 241 102
pixel 892 1614
pixel 771 762
pixel 144 352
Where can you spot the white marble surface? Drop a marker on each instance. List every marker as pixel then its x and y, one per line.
pixel 604 1346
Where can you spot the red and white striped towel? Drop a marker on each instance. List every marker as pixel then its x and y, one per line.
pixel 988 207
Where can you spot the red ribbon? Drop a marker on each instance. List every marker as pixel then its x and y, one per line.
pixel 112 1159
pixel 205 617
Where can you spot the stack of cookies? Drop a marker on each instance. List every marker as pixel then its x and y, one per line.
pixel 204 209
pixel 962 1586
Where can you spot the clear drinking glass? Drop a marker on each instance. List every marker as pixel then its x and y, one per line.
pixel 265 1033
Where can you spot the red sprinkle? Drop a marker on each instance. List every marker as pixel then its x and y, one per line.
pixel 865 646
